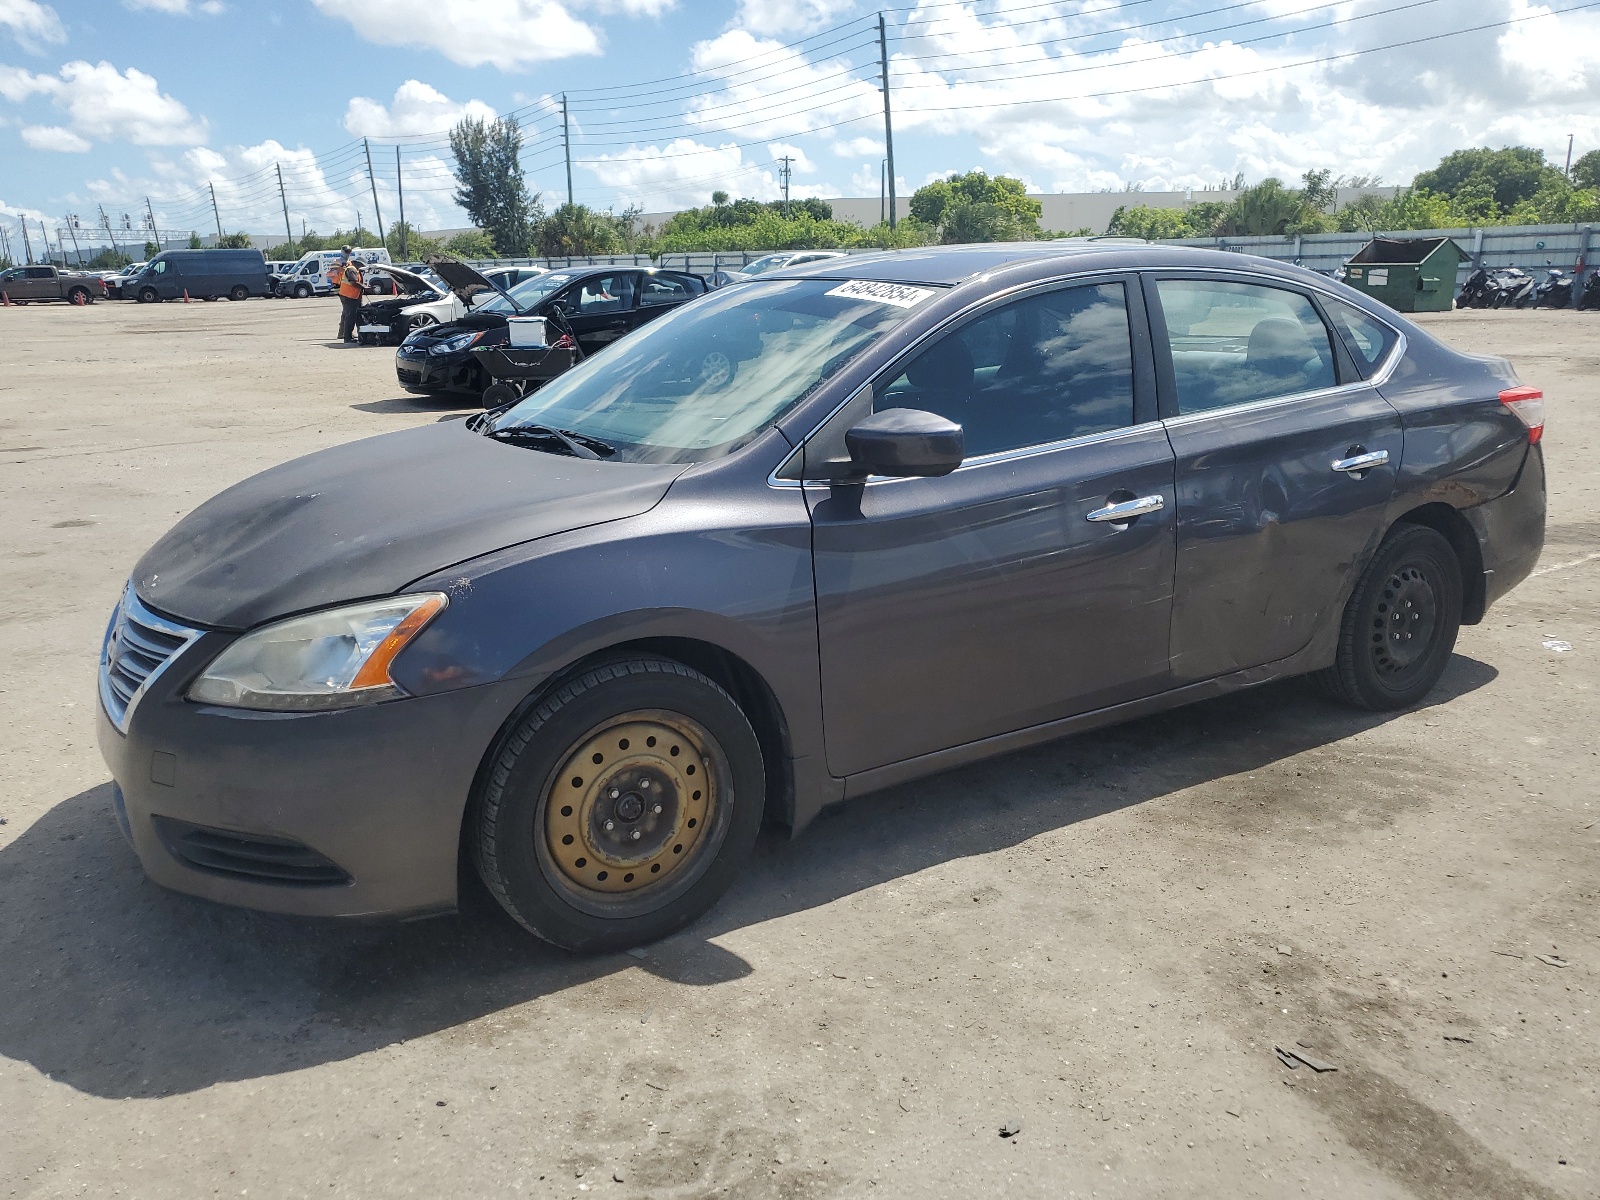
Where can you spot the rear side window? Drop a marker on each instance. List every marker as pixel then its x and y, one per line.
pixel 662 289
pixel 1237 343
pixel 1368 339
pixel 1045 369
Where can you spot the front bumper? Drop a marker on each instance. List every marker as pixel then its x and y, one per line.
pixel 378 792
pixel 434 373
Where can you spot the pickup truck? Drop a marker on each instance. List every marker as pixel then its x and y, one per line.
pixel 22 284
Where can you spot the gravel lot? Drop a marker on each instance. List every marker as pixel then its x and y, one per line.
pixel 1099 940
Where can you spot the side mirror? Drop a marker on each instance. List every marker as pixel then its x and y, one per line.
pixel 557 306
pixel 905 442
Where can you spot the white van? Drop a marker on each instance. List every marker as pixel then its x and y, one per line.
pixel 312 275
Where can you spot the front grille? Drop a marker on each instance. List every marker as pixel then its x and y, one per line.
pixel 250 856
pixel 139 645
pixel 409 377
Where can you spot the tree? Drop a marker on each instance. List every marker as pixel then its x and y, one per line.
pixel 719 198
pixel 151 250
pixel 491 187
pixel 1506 176
pixel 194 241
pixel 1152 224
pixel 576 230
pixel 1266 209
pixel 1586 171
pixel 109 260
pixel 473 243
pixel 977 207
pixel 235 241
pixel 406 244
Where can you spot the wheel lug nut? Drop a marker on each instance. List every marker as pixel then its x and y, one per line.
pixel 636 835
pixel 615 793
pixel 610 826
pixel 656 809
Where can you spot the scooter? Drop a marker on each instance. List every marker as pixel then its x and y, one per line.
pixel 1514 288
pixel 1555 291
pixel 1472 291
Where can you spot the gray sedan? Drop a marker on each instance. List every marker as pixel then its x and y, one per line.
pixel 932 506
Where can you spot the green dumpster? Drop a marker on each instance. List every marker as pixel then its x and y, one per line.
pixel 1408 274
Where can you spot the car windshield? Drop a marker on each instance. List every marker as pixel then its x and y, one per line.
pixel 709 376
pixel 770 263
pixel 528 293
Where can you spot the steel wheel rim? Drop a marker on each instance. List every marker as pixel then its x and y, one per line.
pixel 1406 623
pixel 716 370
pixel 660 776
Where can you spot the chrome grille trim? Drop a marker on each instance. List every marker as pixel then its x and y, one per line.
pixel 139 645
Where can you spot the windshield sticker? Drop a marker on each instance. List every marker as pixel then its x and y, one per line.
pixel 898 294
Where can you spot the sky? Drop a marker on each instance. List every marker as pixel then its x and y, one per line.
pixel 147 105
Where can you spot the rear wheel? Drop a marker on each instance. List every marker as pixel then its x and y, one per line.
pixel 239 292
pixel 79 296
pixel 621 807
pixel 1400 626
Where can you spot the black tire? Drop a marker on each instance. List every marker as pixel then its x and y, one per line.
pixel 515 819
pixel 498 395
pixel 239 292
pixel 79 296
pixel 148 295
pixel 1400 626
pixel 302 290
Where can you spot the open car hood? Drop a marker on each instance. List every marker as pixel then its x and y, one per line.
pixel 466 282
pixel 367 518
pixel 412 284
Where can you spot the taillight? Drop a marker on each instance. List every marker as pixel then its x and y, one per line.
pixel 1528 404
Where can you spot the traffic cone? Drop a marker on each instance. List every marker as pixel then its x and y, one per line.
pixel 186 295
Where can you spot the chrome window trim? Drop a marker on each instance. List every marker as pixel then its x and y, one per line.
pixel 130 604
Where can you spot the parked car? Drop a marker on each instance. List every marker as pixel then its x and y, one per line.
pixel 951 502
pixel 201 275
pixel 599 304
pixel 118 280
pixel 772 262
pixel 313 274
pixel 24 285
pixel 422 300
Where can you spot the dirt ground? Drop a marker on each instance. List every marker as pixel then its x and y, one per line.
pixel 1099 940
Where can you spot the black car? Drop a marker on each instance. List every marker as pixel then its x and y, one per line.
pixel 599 304
pixel 942 504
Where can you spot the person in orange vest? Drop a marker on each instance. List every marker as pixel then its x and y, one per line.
pixel 351 289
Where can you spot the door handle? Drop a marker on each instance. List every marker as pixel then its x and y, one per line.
pixel 1127 510
pixel 1362 462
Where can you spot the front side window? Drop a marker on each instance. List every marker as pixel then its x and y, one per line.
pixel 1045 369
pixel 529 294
pixel 1237 343
pixel 1368 339
pixel 705 378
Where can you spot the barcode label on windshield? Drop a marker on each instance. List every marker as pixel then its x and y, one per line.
pixel 898 294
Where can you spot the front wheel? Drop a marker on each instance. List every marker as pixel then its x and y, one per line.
pixel 301 291
pixel 148 295
pixel 621 807
pixel 498 395
pixel 1400 626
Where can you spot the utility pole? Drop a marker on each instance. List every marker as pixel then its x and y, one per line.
pixel 1568 171
pixel 214 211
pixel 283 197
pixel 373 180
pixel 786 160
pixel 400 186
pixel 27 242
pixel 155 236
pixel 72 228
pixel 888 125
pixel 883 188
pixel 566 141
pixel 110 233
pixel 5 246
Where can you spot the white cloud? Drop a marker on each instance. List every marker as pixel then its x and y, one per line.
pixel 177 8
pixel 859 147
pixel 32 24
pixel 789 16
pixel 105 105
pixel 417 107
pixel 629 8
pixel 508 34
pixel 54 137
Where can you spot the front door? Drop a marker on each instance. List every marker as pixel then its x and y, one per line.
pixel 1286 462
pixel 33 283
pixel 600 309
pixel 1001 597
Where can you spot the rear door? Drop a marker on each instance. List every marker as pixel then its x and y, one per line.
pixel 661 291
pixel 1286 460
pixel 1000 597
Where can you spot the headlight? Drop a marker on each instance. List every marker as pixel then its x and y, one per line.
pixel 450 345
pixel 334 659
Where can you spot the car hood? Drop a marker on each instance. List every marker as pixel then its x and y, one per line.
pixel 367 518
pixel 412 284
pixel 466 282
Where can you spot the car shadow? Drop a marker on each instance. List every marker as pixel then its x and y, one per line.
pixel 450 406
pixel 122 989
